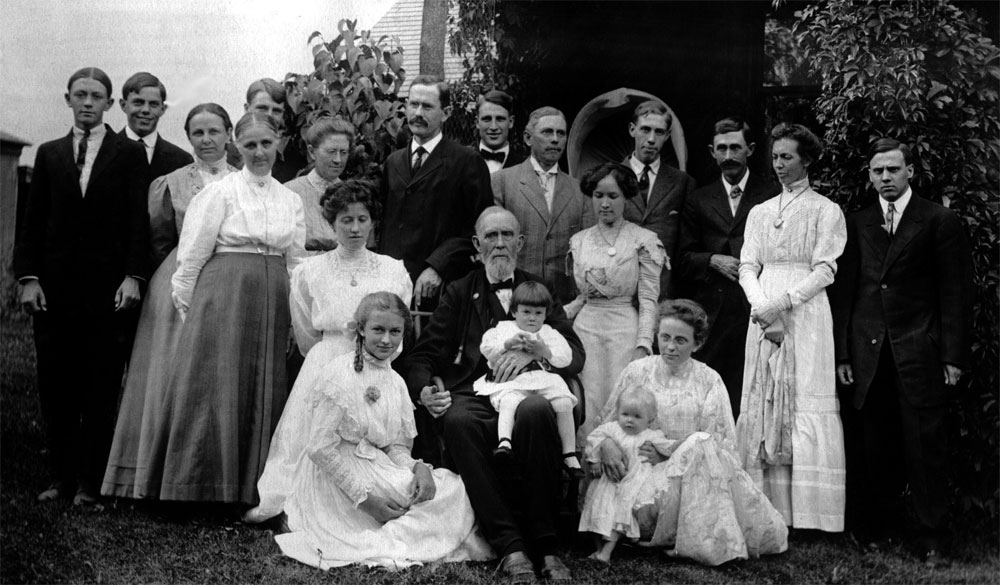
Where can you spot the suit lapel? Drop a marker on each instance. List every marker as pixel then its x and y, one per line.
pixel 751 197
pixel 562 196
pixel 65 152
pixel 873 234
pixel 434 160
pixel 533 193
pixel 909 226
pixel 658 194
pixel 720 204
pixel 107 153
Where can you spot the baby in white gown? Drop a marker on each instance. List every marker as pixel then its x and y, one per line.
pixel 607 509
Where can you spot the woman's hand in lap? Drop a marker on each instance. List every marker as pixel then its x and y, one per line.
pixel 422 486
pixel 381 509
pixel 613 465
pixel 649 453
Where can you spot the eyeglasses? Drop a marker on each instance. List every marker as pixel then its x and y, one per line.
pixel 492 237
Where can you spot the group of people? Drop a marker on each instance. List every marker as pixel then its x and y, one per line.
pixel 673 349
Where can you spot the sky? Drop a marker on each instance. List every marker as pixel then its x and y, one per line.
pixel 201 50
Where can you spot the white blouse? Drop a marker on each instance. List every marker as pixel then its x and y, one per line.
pixel 242 211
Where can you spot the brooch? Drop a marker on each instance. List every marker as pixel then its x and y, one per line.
pixel 372 394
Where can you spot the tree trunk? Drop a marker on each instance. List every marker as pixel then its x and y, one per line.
pixel 432 37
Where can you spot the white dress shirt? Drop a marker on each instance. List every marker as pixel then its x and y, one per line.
pixel 547 180
pixel 504 294
pixel 899 205
pixel 494 165
pixel 734 202
pixel 429 146
pixel 148 141
pixel 637 167
pixel 94 143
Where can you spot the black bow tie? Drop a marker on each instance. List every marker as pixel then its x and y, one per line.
pixel 498 156
pixel 507 284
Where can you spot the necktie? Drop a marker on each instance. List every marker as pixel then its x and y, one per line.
pixel 508 284
pixel 644 182
pixel 418 158
pixel 890 217
pixel 81 153
pixel 736 193
pixel 498 156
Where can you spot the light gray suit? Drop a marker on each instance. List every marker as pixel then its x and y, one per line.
pixel 546 235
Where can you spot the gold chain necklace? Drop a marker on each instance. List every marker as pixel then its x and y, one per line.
pixel 611 246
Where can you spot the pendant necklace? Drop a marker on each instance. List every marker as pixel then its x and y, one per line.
pixel 611 245
pixel 342 262
pixel 780 221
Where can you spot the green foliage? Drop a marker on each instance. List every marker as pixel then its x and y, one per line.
pixel 924 73
pixel 356 78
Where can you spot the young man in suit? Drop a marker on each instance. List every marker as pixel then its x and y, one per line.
pixel 547 202
pixel 433 191
pixel 662 188
pixel 81 254
pixel 267 96
pixel 708 251
pixel 144 101
pixel 516 508
pixel 494 119
pixel 901 307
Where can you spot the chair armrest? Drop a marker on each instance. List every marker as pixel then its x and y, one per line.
pixel 576 388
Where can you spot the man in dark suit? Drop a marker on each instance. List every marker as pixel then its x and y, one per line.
pixel 662 188
pixel 708 253
pixel 81 254
pixel 901 321
pixel 547 203
pixel 516 508
pixel 144 101
pixel 494 119
pixel 267 96
pixel 433 191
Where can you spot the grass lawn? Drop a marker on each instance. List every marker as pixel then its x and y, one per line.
pixel 123 541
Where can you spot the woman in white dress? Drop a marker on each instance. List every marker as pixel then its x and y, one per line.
pixel 325 292
pixel 358 496
pixel 790 436
pixel 704 504
pixel 128 472
pixel 614 262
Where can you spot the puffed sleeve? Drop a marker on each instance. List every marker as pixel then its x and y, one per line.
pixel 562 355
pixel 716 414
pixel 162 226
pixel 297 251
pixel 324 438
pixel 595 438
pixel 491 345
pixel 202 224
pixel 301 308
pixel 831 237
pixel 652 259
pixel 574 306
pixel 750 258
pixel 402 285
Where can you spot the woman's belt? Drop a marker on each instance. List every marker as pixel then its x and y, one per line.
pixel 251 249
pixel 606 302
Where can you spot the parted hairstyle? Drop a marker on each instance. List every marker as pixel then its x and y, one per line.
pixel 211 108
pixel 253 118
pixel 377 301
pixel 689 312
pixel 887 144
pixel 339 196
pixel 444 89
pixel 809 147
pixel 326 127
pixel 643 396
pixel 272 88
pixel 652 107
pixel 540 113
pixel 622 174
pixel 727 125
pixel 142 80
pixel 497 97
pixel 90 73
pixel 531 294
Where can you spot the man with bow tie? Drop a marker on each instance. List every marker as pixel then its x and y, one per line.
pixel 708 251
pixel 494 119
pixel 516 507
pixel 547 203
pixel 432 191
pixel 662 188
pixel 901 308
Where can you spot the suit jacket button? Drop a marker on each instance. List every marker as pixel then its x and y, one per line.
pixel 885 286
pixel 874 341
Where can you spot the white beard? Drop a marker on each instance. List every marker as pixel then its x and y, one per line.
pixel 500 268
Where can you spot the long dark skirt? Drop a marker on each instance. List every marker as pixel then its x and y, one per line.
pixel 227 386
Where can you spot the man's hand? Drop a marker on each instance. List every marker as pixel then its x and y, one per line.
pixel 32 297
pixel 422 485
pixel 509 365
pixel 537 348
pixel 951 375
pixel 427 284
pixel 435 400
pixel 613 464
pixel 845 374
pixel 381 509
pixel 726 266
pixel 649 453
pixel 127 295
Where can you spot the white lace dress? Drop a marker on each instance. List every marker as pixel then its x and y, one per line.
pixel 323 301
pixel 359 444
pixel 798 258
